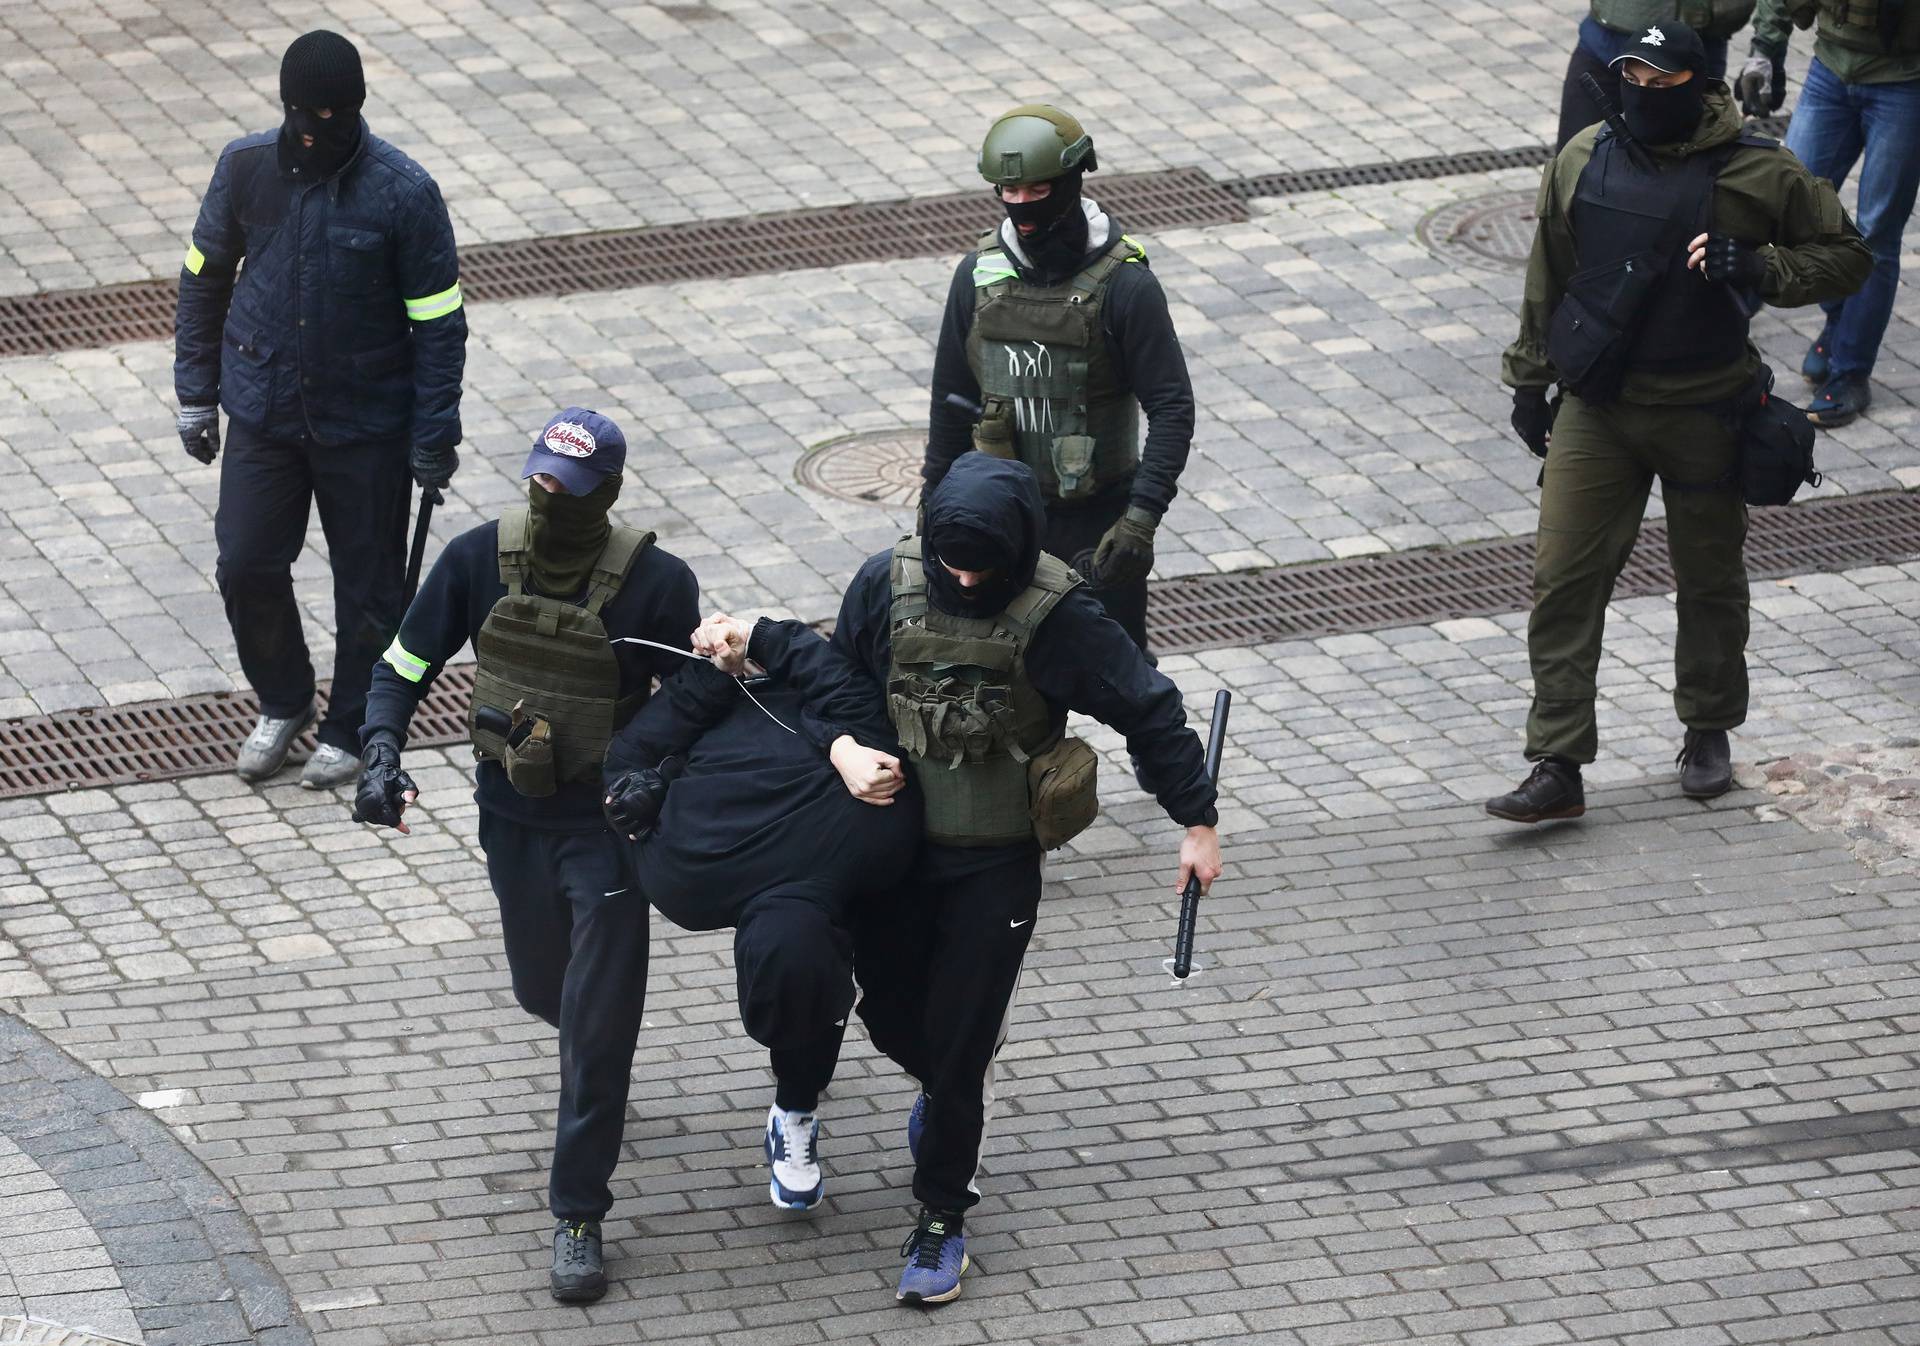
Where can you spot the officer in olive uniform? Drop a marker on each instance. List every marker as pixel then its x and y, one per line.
pixel 1056 334
pixel 1674 241
pixel 542 593
pixel 983 645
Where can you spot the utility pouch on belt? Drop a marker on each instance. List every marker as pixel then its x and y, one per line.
pixel 1063 784
pixel 1775 447
pixel 527 754
pixel 993 432
pixel 1591 336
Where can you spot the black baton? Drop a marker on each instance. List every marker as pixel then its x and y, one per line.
pixel 1190 897
pixel 429 497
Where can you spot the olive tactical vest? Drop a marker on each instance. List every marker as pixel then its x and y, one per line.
pixel 1051 394
pixel 959 699
pixel 1862 25
pixel 554 655
pixel 1709 18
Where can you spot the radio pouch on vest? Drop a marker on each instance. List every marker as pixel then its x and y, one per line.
pixel 528 754
pixel 1064 785
pixel 1590 339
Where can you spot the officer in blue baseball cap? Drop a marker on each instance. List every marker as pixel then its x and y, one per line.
pixel 546 594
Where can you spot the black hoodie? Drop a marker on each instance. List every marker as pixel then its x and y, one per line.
pixel 1080 658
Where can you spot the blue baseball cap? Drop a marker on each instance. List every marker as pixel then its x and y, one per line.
pixel 579 448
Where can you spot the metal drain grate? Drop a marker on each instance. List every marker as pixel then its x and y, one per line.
pixel 797 240
pixel 198 736
pixel 1484 579
pixel 164 740
pixel 1401 170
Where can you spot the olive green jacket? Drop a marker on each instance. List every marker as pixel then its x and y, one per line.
pixel 1763 197
pixel 1853 57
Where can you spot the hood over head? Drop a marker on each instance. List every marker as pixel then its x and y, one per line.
pixel 987 510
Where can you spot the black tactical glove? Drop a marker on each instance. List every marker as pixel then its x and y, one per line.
pixel 634 798
pixel 1732 262
pixel 1125 554
pixel 1762 86
pixel 381 798
pixel 1532 419
pixel 199 429
pixel 432 467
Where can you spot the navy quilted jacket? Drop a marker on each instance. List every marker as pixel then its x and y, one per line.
pixel 344 324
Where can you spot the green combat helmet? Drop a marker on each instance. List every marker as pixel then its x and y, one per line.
pixel 1034 143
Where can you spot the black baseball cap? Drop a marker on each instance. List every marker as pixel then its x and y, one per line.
pixel 1669 47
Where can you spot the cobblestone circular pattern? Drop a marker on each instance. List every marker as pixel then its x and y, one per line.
pixel 33 1332
pixel 877 467
pixel 1491 230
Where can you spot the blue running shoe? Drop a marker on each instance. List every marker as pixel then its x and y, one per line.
pixel 916 1123
pixel 1817 368
pixel 793 1153
pixel 936 1254
pixel 1840 401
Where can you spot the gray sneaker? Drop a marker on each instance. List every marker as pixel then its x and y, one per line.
pixel 329 767
pixel 266 748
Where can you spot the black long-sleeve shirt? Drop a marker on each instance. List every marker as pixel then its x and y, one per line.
pixel 1079 659
pixel 660 601
pixel 1146 354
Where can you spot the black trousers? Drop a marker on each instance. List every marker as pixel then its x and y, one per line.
pixel 1577 110
pixel 793 962
pixel 938 964
pixel 363 491
pixel 1074 531
pixel 576 932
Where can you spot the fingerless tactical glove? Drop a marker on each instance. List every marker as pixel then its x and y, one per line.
pixel 634 798
pixel 1732 262
pixel 381 796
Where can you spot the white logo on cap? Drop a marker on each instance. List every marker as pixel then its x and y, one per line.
pixel 570 439
pixel 1654 37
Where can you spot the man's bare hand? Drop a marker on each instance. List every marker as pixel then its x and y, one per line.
pixel 1199 858
pixel 871 777
pixel 723 640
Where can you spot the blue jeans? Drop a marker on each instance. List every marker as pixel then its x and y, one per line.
pixel 1835 125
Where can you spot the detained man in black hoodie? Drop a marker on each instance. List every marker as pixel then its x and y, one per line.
pixel 983 645
pixel 773 818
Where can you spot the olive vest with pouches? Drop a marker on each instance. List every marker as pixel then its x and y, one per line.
pixel 1709 18
pixel 1051 395
pixel 993 763
pixel 551 657
pixel 1886 27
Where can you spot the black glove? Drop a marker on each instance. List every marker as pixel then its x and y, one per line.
pixel 432 467
pixel 1762 83
pixel 381 798
pixel 1532 419
pixel 199 429
pixel 634 798
pixel 1732 262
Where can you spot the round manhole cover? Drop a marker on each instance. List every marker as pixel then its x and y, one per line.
pixel 880 467
pixel 1495 230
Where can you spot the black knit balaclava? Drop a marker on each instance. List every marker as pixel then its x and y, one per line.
pixel 322 70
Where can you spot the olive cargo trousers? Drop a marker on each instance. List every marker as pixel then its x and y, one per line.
pixel 1593 494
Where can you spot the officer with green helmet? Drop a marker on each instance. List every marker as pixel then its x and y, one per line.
pixel 1611 26
pixel 1654 249
pixel 982 645
pixel 1056 336
pixel 547 595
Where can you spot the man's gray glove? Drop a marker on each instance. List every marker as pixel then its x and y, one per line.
pixel 432 467
pixel 1762 86
pixel 1125 554
pixel 199 429
pixel 385 790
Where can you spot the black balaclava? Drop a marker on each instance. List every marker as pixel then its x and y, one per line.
pixel 321 70
pixel 1662 116
pixel 566 534
pixel 986 514
pixel 1059 245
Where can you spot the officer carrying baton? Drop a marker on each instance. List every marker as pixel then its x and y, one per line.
pixel 429 497
pixel 1190 897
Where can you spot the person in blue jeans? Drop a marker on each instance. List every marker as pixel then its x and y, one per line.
pixel 1860 105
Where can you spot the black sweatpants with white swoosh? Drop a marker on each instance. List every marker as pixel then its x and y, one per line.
pixel 937 968
pixel 575 923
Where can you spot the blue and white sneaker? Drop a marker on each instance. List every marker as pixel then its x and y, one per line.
pixel 936 1253
pixel 793 1153
pixel 916 1123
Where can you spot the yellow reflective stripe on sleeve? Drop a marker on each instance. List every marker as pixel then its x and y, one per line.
pixel 195 260
pixel 435 305
pixel 1139 253
pixel 406 665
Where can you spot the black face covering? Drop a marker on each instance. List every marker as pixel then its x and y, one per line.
pixel 1662 116
pixel 567 533
pixel 334 139
pixel 967 548
pixel 1058 245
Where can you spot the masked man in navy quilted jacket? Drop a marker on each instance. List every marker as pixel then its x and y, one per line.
pixel 320 307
